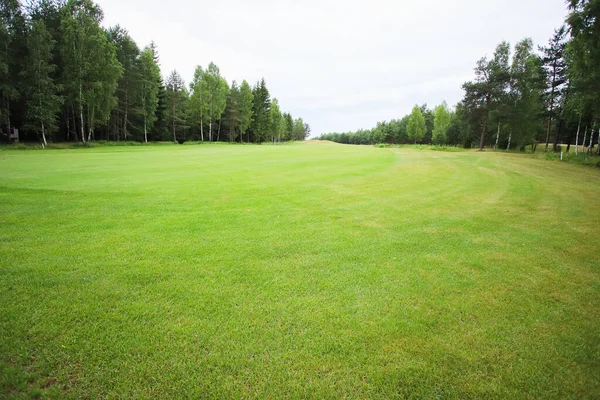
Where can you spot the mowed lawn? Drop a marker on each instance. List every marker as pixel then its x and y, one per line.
pixel 309 270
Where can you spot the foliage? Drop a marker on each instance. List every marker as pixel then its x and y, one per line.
pixel 441 123
pixel 109 88
pixel 416 127
pixel 41 92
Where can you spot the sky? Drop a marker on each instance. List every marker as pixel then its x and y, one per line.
pixel 340 65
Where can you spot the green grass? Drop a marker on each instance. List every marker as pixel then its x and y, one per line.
pixel 297 271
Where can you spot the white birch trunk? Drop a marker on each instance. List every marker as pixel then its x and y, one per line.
pixel 81 114
pixel 577 137
pixel 44 137
pixel 497 136
pixel 509 138
pixel 91 124
pixel 201 130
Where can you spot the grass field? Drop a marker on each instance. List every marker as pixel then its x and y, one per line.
pixel 307 270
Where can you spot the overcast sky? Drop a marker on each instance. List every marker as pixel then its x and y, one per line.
pixel 340 65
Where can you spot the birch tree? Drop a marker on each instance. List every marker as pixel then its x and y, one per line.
pixel 149 79
pixel 41 92
pixel 416 125
pixel 91 69
pixel 275 118
pixel 441 123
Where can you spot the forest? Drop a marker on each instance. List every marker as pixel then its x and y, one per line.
pixel 64 77
pixel 520 97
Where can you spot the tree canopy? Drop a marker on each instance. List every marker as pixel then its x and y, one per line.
pixel 63 77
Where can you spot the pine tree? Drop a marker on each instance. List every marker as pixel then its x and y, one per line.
pixel 262 111
pixel 176 101
pixel 556 68
pixel 246 107
pixel 485 93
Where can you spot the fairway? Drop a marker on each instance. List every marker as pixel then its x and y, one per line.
pixel 305 270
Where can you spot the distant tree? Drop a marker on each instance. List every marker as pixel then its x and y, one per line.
pixel 176 100
pixel 199 106
pixel 299 132
pixel 91 69
pixel 262 111
pixel 149 88
pixel 160 130
pixel 289 126
pixel 490 85
pixel 441 123
pixel 416 125
pixel 233 110
pixel 282 129
pixel 216 90
pixel 306 131
pixel 12 49
pixel 129 85
pixel 274 119
pixel 526 91
pixel 556 68
pixel 246 108
pixel 583 57
pixel 41 92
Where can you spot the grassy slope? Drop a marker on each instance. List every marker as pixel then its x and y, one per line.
pixel 313 270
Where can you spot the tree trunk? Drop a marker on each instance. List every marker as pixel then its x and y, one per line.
pixel 210 130
pixel 509 139
pixel 584 139
pixel 485 120
pixel 68 126
pixel 201 130
pixel 82 123
pixel 591 142
pixel 125 118
pixel 173 122
pixel 497 136
pixel 74 122
pixel 8 122
pixel 577 137
pixel 556 137
pixel 91 124
pixel 219 132
pixel 551 107
pixel 81 112
pixel 44 137
pixel 145 131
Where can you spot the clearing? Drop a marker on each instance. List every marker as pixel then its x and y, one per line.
pixel 309 270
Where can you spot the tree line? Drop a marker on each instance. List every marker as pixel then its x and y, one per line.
pixel 63 77
pixel 519 97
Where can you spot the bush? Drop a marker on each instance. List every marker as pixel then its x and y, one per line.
pixel 581 158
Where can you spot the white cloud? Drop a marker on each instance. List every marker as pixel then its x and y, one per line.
pixel 341 65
